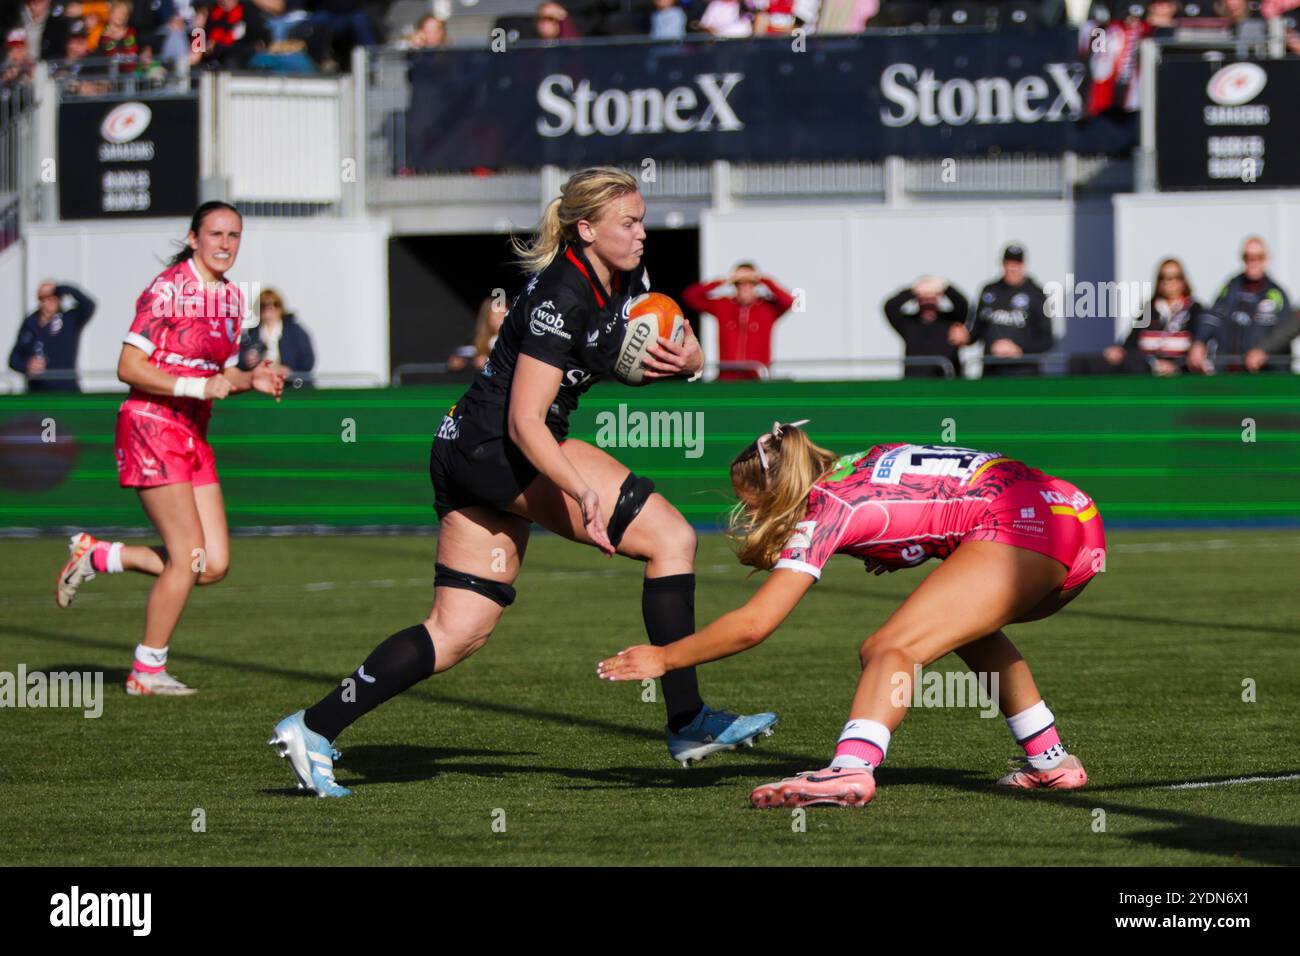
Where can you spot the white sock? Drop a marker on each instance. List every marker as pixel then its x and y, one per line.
pixel 859 741
pixel 1031 722
pixel 114 560
pixel 151 656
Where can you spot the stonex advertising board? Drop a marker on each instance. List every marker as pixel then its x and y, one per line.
pixel 857 97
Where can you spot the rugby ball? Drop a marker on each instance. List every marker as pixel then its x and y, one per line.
pixel 646 318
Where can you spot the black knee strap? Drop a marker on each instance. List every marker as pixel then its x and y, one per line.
pixel 631 499
pixel 445 577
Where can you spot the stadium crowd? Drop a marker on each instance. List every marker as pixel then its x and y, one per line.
pixel 89 40
pixel 1249 326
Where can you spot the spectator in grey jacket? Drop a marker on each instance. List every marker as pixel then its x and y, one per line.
pixel 1251 321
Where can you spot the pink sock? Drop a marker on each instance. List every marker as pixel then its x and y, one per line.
pixel 106 557
pixel 99 557
pixel 1042 742
pixel 862 749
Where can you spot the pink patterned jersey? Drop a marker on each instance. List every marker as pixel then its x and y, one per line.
pixel 900 504
pixel 186 329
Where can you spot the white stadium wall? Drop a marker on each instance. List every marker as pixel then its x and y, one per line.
pixel 849 259
pixel 332 273
pixel 14 302
pixel 1206 231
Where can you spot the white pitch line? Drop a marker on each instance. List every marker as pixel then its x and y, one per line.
pixel 1229 783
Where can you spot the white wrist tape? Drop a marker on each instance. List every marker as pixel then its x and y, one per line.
pixel 191 387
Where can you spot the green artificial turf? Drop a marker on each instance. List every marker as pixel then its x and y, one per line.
pixel 1145 673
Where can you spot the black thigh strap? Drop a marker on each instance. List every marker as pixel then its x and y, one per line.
pixel 445 577
pixel 631 499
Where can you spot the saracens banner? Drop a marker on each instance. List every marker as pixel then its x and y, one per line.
pixel 1233 126
pixel 130 158
pixel 861 97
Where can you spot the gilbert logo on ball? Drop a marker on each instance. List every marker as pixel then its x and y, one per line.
pixel 646 318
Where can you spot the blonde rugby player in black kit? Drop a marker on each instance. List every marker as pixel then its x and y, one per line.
pixel 501 461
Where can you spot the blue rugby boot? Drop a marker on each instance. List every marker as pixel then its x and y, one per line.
pixel 310 755
pixel 714 730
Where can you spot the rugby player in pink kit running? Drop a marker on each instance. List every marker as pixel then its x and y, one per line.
pixel 178 357
pixel 1017 545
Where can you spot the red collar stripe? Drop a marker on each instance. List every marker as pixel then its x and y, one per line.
pixel 600 299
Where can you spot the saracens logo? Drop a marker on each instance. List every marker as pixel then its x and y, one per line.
pixel 921 97
pixel 570 107
pixel 1236 84
pixel 121 129
pixel 126 122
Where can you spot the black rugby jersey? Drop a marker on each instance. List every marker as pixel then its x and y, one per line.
pixel 563 318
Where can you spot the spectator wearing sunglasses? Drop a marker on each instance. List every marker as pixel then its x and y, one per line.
pixel 1250 322
pixel 1160 338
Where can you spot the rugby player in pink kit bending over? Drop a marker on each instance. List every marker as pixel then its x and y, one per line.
pixel 1017 545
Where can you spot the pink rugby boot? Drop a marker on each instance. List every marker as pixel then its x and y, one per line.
pixel 1067 775
pixel 834 786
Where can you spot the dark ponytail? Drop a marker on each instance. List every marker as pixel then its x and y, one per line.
pixel 196 223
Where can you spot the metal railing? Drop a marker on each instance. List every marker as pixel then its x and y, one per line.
pixel 17 174
pixel 106 380
pixel 117 77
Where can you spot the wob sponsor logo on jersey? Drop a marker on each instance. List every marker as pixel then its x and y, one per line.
pixel 922 97
pixel 576 108
pixel 77 909
pixel 545 318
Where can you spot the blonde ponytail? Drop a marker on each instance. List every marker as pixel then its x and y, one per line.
pixel 780 492
pixel 583 196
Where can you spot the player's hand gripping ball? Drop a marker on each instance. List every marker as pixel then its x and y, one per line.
pixel 648 317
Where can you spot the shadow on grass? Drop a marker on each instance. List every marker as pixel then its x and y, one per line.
pixel 1242 842
pixel 113 676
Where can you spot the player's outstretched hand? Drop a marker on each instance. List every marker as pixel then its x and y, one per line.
pixel 269 378
pixel 635 663
pixel 668 359
pixel 595 521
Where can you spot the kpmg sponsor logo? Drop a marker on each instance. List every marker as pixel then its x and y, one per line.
pixel 1232 88
pixel 921 97
pixel 577 108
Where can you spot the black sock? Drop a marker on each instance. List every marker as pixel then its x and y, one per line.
pixel 402 661
pixel 668 607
